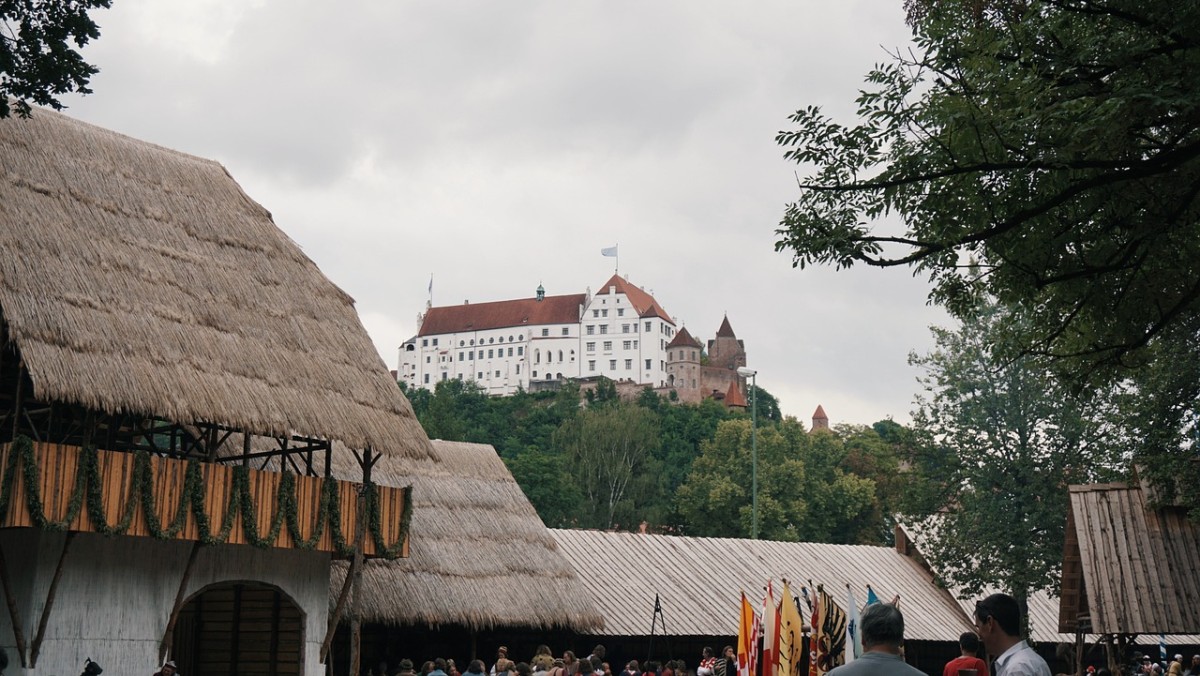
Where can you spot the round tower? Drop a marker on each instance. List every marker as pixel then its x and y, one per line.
pixel 683 366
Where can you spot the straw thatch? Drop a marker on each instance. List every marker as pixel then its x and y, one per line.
pixel 479 555
pixel 699 581
pixel 136 279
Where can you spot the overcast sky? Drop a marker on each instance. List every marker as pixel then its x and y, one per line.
pixel 499 145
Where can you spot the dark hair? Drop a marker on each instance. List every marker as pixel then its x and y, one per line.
pixel 882 624
pixel 598 651
pixel 969 642
pixel 440 663
pixel 1002 608
pixel 406 665
pixel 596 662
pixel 523 668
pixel 476 667
pixel 707 652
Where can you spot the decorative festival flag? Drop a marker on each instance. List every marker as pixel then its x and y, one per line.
pixel 747 640
pixel 854 647
pixel 610 251
pixel 770 632
pixel 814 638
pixel 791 635
pixel 833 633
pixel 872 599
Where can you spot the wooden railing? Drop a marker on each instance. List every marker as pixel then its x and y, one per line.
pixel 127 485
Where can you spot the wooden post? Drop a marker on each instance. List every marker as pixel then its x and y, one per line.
pixel 169 634
pixel 360 531
pixel 13 613
pixel 337 612
pixel 45 620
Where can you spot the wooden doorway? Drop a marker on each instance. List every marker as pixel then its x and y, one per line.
pixel 239 628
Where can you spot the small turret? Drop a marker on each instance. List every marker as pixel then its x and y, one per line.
pixel 820 420
pixel 541 293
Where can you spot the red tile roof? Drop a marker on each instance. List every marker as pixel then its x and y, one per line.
pixel 819 414
pixel 726 331
pixel 684 339
pixel 502 314
pixel 734 396
pixel 643 302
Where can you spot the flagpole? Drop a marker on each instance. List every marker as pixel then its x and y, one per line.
pixel 617 259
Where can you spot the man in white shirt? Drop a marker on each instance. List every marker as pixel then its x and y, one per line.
pixel 998 622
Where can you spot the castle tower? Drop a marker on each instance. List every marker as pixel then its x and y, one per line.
pixel 726 351
pixel 820 420
pixel 683 366
pixel 734 397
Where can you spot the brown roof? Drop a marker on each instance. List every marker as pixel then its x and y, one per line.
pixel 479 555
pixel 1130 568
pixel 141 280
pixel 684 339
pixel 502 314
pixel 734 397
pixel 726 331
pixel 643 302
pixel 819 414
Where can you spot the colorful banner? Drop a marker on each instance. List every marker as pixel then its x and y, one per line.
pixel 747 649
pixel 791 635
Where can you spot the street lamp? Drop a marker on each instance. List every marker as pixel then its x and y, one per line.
pixel 753 376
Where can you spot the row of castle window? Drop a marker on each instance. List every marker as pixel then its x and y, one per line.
pixel 433 342
pixel 612 365
pixel 671 354
pixel 604 313
pixel 608 345
pixel 566 331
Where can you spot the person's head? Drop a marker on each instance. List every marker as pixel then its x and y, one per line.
pixel 523 669
pixel 427 667
pixel 596 664
pixel 475 667
pixel 440 663
pixel 503 664
pixel 406 665
pixel 169 668
pixel 633 666
pixel 568 657
pixel 560 662
pixel 729 652
pixel 998 621
pixel 707 652
pixel 969 643
pixel 502 651
pixel 605 668
pixel 882 627
pixel 598 651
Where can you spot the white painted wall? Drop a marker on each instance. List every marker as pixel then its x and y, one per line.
pixel 116 594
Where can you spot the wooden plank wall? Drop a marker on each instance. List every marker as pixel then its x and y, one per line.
pixel 59 464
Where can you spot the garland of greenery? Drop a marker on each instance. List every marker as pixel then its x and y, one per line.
pixel 87 491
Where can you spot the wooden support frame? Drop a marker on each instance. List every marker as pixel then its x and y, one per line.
pixel 180 596
pixel 14 613
pixel 36 648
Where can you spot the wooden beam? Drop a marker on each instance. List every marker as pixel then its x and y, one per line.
pixel 50 595
pixel 13 613
pixel 180 596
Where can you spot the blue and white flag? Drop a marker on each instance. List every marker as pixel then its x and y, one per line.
pixel 872 599
pixel 854 647
pixel 610 251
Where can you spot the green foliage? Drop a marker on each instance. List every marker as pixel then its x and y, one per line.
pixel 606 447
pixel 37 60
pixel 1014 440
pixel 1045 154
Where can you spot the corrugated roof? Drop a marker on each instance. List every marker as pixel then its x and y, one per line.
pixel 643 302
pixel 502 314
pixel 479 555
pixel 1140 567
pixel 137 279
pixel 700 580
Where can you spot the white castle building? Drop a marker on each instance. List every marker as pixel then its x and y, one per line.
pixel 621 332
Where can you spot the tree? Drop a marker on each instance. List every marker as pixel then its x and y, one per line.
pixel 606 447
pixel 37 61
pixel 1042 153
pixel 1014 440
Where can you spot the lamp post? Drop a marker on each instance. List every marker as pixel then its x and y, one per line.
pixel 753 376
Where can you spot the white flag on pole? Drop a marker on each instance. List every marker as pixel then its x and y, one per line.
pixel 610 251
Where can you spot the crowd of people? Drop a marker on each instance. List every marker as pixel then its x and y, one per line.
pixel 544 663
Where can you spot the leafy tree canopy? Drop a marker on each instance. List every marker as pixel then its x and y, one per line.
pixel 1043 153
pixel 38 57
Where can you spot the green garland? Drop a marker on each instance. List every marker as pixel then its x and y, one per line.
pixel 87 491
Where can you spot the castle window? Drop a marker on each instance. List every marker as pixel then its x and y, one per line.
pixel 560 356
pixel 497 374
pixel 627 344
pixel 424 342
pixel 435 342
pixel 427 360
pixel 489 354
pixel 648 329
pixel 624 328
pixel 545 332
pixel 479 376
pixel 426 378
pixel 635 344
pixel 608 346
pixel 648 364
pixel 604 328
pixel 612 364
pixel 445 375
pixel 591 329
pixel 566 331
pixel 604 313
pixel 471 354
pixel 620 312
pixel 460 343
pixel 520 350
pixel 460 356
pixel 591 347
pixel 591 364
pixel 628 364
pixel 595 313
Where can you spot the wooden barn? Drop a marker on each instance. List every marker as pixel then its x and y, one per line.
pixel 174 374
pixel 698 583
pixel 482 571
pixel 1131 573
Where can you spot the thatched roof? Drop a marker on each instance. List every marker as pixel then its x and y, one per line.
pixel 137 279
pixel 699 581
pixel 1132 569
pixel 479 555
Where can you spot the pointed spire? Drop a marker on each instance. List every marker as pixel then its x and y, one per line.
pixel 726 331
pixel 820 420
pixel 734 396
